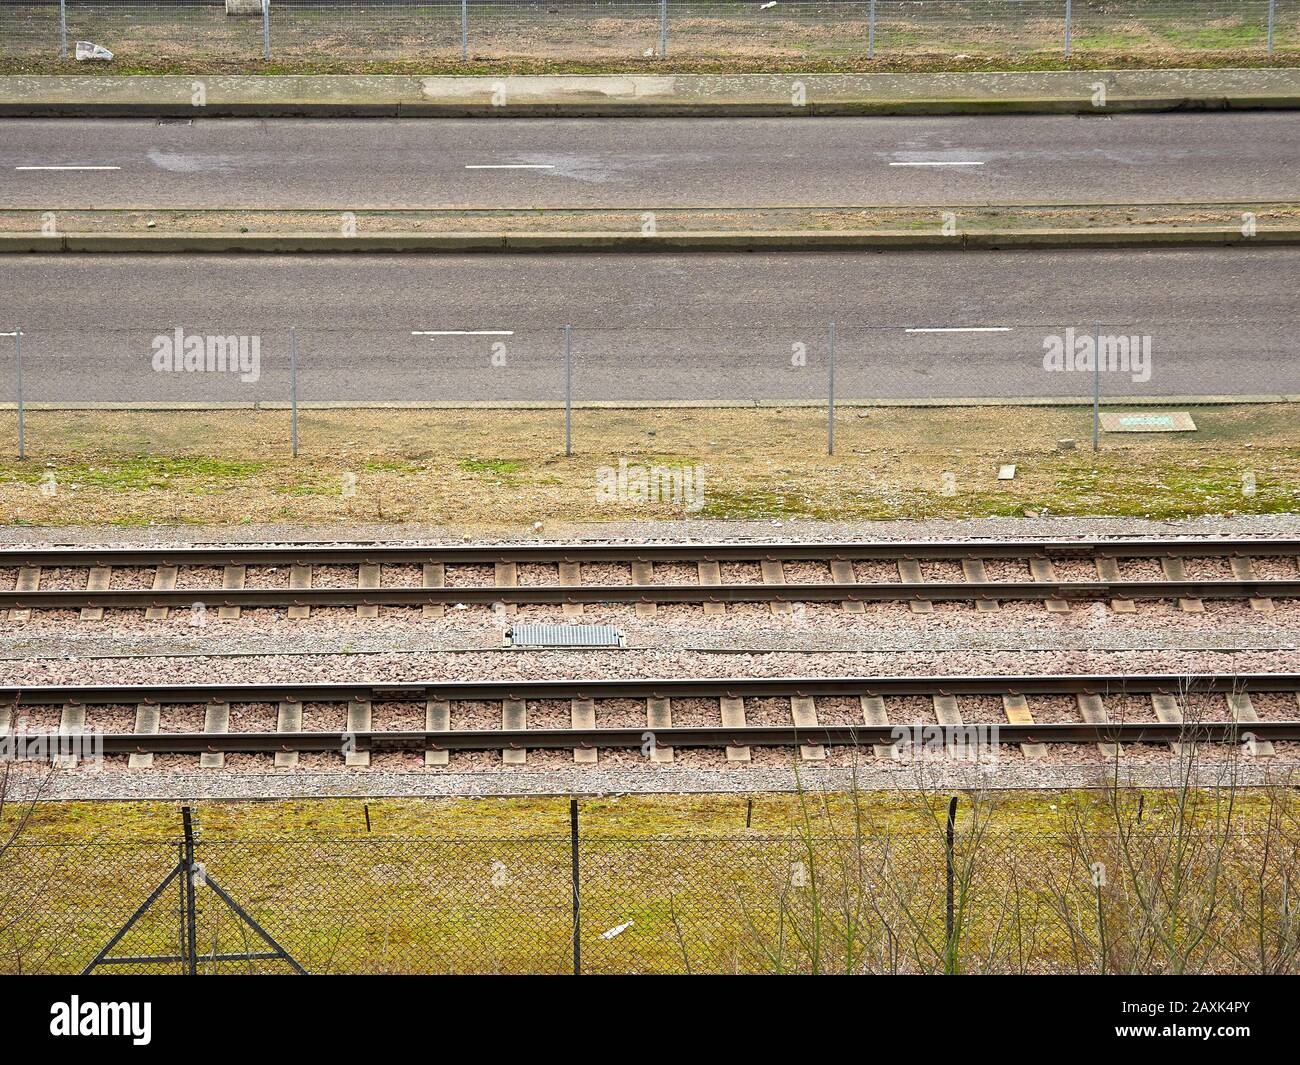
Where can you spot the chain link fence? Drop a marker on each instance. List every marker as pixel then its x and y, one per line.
pixel 1099 369
pixel 405 30
pixel 968 901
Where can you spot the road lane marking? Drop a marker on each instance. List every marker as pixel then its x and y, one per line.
pixel 462 332
pixel 509 166
pixel 67 168
pixel 938 164
pixel 963 329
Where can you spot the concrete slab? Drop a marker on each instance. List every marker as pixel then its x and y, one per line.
pixel 368 576
pixel 434 577
pixel 711 577
pixel 288 719
pixel 98 580
pixel 437 718
pixel 1094 712
pixel 232 578
pixel 28 580
pixel 842 573
pixel 216 719
pixel 359 718
pixel 514 715
pixel 1017 710
pixel 803 709
pixel 571 574
pixel 300 578
pixel 733 716
pixel 643 573
pixel 582 714
pixel 164 580
pixel 146 724
pixel 874 713
pixel 909 571
pixel 1108 570
pixel 659 714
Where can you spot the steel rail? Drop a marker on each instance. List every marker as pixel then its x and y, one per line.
pixel 887 591
pixel 708 736
pixel 644 688
pixel 481 554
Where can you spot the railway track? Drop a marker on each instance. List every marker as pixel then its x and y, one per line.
pixel 91 571
pixel 875 727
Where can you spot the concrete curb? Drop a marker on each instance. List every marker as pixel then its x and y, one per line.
pixel 752 240
pixel 641 95
pixel 662 404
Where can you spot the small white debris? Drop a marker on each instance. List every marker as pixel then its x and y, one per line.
pixel 617 930
pixel 764 7
pixel 649 53
pixel 1006 472
pixel 460 606
pixel 537 526
pixel 91 50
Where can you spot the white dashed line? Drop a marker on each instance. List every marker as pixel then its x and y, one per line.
pixel 938 164
pixel 963 329
pixel 462 332
pixel 67 168
pixel 509 166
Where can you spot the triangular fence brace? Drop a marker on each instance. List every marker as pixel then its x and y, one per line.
pixel 193 875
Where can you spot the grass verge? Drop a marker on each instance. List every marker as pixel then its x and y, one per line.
pixel 503 470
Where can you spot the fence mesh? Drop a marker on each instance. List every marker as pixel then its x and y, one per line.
pixel 1201 901
pixel 409 30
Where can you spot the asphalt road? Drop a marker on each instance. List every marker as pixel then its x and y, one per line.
pixel 650 162
pixel 652 326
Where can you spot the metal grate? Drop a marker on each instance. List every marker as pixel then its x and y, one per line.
pixel 564 636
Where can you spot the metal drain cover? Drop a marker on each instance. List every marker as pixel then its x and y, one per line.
pixel 564 636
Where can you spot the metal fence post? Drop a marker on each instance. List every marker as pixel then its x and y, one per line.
pixel 830 394
pixel 568 390
pixel 663 28
pixel 577 914
pixel 266 29
pixel 1069 12
pixel 63 29
pixel 293 394
pixel 464 31
pixel 18 370
pixel 191 936
pixel 1272 21
pixel 949 919
pixel 871 31
pixel 1096 386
